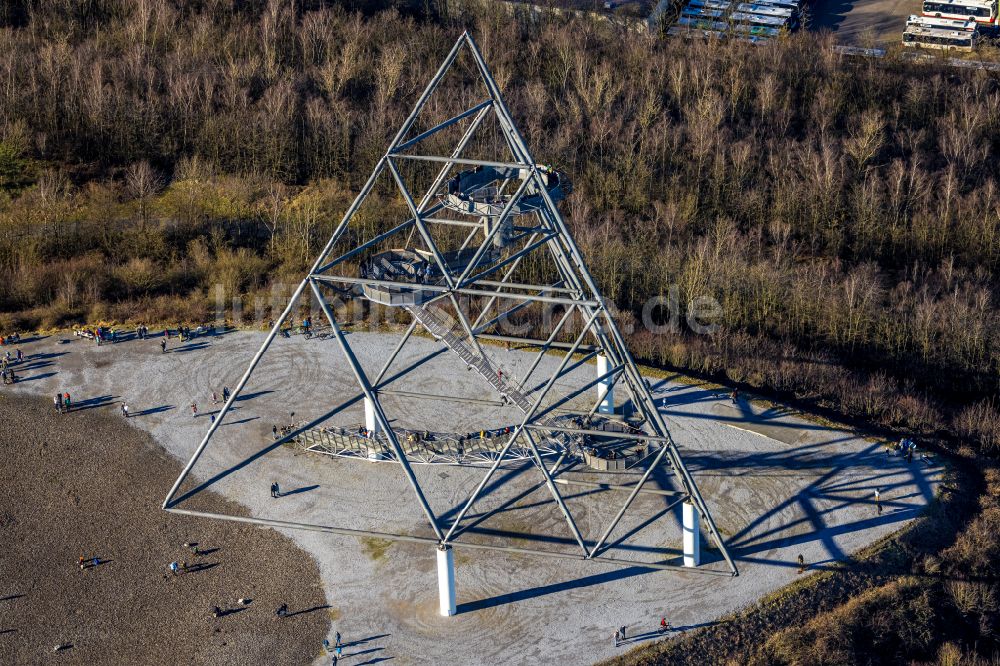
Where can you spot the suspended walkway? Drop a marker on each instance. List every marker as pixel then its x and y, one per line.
pixel 482 448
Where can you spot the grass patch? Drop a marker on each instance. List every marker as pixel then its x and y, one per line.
pixel 375 548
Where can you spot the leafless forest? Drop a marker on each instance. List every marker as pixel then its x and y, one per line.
pixel 845 213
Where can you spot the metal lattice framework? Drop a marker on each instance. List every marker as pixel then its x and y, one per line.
pixel 507 207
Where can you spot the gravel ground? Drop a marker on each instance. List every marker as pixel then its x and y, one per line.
pixel 865 23
pixel 86 484
pixel 776 484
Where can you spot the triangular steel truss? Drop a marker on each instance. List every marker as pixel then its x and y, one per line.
pixel 479 273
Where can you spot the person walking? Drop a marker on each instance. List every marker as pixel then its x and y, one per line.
pixel 664 625
pixel 163 346
pixel 623 632
pixel 878 502
pixel 20 356
pixel 66 403
pixel 124 409
pixel 617 637
pixel 58 401
pixel 275 491
pixel 174 566
pixel 194 409
pixel 802 563
pixel 274 432
pixel 215 398
pixel 225 394
pixel 336 639
pixel 735 396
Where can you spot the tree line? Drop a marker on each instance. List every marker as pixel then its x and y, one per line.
pixel 844 213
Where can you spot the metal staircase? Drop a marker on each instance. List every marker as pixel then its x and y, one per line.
pixel 489 369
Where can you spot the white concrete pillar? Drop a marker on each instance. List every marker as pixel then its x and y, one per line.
pixel 446 580
pixel 605 387
pixel 371 423
pixel 692 535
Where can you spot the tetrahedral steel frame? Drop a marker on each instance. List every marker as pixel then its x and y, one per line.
pixel 575 291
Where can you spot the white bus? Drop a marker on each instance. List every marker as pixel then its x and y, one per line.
pixel 940 38
pixel 681 31
pixel 702 24
pixel 709 4
pixel 766 10
pixel 701 12
pixel 758 19
pixel 981 11
pixel 915 21
pixel 790 4
pixel 757 30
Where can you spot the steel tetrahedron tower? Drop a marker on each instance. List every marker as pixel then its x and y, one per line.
pixel 479 241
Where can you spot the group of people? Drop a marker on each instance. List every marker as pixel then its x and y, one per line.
pixel 336 649
pixel 62 403
pixel 11 339
pixel 177 568
pixel 905 447
pixel 100 334
pixel 7 361
pixel 621 633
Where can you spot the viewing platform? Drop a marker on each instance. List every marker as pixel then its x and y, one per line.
pixel 485 191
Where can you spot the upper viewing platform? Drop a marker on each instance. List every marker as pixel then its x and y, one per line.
pixel 485 190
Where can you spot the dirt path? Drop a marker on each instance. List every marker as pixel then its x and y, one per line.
pixel 86 484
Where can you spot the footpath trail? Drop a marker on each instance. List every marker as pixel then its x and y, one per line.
pixel 87 484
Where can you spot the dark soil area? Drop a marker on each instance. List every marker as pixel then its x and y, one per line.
pixel 88 485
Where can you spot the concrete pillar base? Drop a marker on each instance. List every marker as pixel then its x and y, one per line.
pixel 446 580
pixel 605 388
pixel 371 423
pixel 692 535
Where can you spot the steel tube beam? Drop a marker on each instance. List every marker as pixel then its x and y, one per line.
pixel 455 223
pixel 638 391
pixel 635 493
pixel 535 342
pixel 574 393
pixel 431 86
pixel 548 342
pixel 365 190
pixel 443 289
pixel 470 130
pixel 555 493
pixel 444 125
pixel 380 416
pixel 526 250
pixel 506 276
pixel 504 214
pixel 395 352
pixel 616 486
pixel 601 433
pixel 517 432
pixel 343 531
pixel 523 285
pixel 457 160
pixel 411 204
pixel 364 246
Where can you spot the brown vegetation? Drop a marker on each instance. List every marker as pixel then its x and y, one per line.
pixel 845 214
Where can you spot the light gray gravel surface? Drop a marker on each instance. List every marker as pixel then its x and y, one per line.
pixel 777 486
